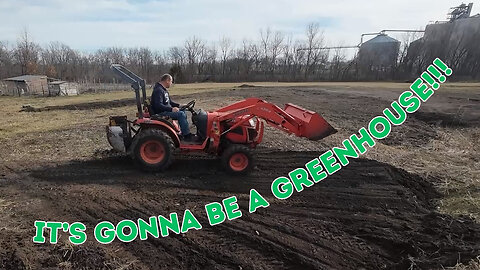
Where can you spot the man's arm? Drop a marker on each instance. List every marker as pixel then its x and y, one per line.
pixel 174 104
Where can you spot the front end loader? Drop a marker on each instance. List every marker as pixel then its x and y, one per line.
pixel 230 132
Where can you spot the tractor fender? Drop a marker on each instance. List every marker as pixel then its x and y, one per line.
pixel 156 125
pixel 167 129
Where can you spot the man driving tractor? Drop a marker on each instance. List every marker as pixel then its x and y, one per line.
pixel 230 132
pixel 163 105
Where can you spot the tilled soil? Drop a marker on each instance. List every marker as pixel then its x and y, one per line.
pixel 368 215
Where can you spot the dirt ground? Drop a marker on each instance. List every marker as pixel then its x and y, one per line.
pixel 410 203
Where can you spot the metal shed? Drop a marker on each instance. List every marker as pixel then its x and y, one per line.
pixel 62 88
pixel 26 85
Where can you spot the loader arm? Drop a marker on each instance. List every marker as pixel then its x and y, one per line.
pixel 293 119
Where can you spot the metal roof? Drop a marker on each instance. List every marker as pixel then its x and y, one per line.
pixel 382 38
pixel 57 82
pixel 26 78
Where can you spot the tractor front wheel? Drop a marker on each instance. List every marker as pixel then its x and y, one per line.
pixel 237 159
pixel 153 150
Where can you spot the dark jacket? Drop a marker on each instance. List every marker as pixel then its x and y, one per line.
pixel 161 101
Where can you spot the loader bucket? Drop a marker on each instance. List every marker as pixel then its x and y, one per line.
pixel 313 126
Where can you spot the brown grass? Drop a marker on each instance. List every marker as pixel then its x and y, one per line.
pixel 451 161
pixel 472 265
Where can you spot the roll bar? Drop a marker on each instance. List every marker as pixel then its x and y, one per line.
pixel 136 83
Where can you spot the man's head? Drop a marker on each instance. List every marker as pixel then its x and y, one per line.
pixel 166 80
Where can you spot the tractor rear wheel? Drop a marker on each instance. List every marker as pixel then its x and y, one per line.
pixel 237 159
pixel 153 150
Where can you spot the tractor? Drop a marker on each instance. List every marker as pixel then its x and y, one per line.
pixel 230 132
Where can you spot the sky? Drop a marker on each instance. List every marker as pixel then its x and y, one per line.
pixel 89 25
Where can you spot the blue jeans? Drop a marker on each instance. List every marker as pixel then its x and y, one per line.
pixel 181 116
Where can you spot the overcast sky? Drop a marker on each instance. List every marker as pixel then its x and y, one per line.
pixel 92 24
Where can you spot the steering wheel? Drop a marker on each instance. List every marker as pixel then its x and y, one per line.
pixel 189 106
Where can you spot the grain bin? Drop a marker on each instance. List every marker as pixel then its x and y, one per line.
pixel 380 51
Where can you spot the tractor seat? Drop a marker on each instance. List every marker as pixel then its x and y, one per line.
pixel 147 105
pixel 162 118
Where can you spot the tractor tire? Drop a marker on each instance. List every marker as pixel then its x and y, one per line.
pixel 153 150
pixel 237 159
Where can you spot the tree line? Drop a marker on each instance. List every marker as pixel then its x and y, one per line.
pixel 274 56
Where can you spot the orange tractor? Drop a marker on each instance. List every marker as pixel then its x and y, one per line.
pixel 230 132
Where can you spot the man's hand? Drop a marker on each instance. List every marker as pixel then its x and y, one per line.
pixel 175 109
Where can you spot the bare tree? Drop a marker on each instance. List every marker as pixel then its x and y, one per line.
pixel 298 58
pixel 337 64
pixel 159 65
pixel 210 59
pixel 245 60
pixel 5 60
pixel 275 50
pixel 177 55
pixel 60 61
pixel 287 57
pixel 314 40
pixel 265 43
pixel 27 53
pixel 145 60
pixel 194 47
pixel 202 60
pixel 406 40
pixel 225 50
pixel 404 66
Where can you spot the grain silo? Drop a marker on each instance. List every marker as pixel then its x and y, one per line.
pixel 380 52
pixel 455 41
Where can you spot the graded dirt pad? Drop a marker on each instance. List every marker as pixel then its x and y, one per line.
pixel 369 215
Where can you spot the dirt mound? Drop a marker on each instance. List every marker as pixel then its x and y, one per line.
pixel 412 133
pixel 85 106
pixel 368 215
pixel 246 85
pixel 29 108
pixel 441 119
